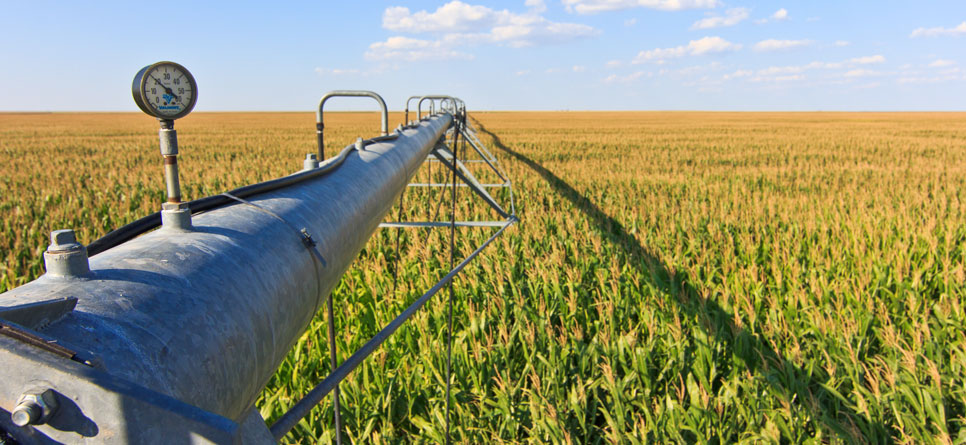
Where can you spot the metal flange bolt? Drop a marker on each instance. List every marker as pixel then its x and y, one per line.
pixel 34 408
pixel 65 257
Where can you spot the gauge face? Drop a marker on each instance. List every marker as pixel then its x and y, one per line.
pixel 165 90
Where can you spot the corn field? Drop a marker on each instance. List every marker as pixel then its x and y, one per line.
pixel 677 277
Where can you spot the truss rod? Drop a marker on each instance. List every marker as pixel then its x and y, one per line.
pixel 284 424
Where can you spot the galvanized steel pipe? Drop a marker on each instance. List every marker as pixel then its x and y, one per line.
pixel 207 316
pixel 169 152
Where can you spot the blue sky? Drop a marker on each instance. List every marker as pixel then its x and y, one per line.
pixel 520 55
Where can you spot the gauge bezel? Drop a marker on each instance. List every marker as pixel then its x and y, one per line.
pixel 139 93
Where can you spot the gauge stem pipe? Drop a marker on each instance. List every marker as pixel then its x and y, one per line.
pixel 169 151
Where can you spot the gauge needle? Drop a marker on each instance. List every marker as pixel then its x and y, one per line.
pixel 166 89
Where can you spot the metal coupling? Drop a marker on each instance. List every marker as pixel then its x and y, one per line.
pixel 360 144
pixel 169 152
pixel 176 216
pixel 311 162
pixel 34 407
pixel 65 257
pixel 169 141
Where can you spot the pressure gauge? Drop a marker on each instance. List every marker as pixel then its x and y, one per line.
pixel 165 90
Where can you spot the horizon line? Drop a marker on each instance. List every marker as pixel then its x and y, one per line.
pixel 565 110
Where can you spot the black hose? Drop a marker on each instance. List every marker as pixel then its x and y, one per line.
pixel 153 221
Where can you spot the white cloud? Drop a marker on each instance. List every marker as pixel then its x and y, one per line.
pixel 630 22
pixel 779 15
pixel 773 70
pixel 775 45
pixel 940 31
pixel 536 6
pixel 614 78
pixel 935 79
pixel 335 71
pixel 737 74
pixel 462 24
pixel 407 49
pixel 732 17
pixel 941 63
pixel 614 63
pixel 595 6
pixel 661 54
pixel 522 72
pixel 841 43
pixel 697 69
pixel 707 45
pixel 579 68
pixel 861 73
pixel 789 78
pixel 454 16
pixel 789 72
pixel 868 60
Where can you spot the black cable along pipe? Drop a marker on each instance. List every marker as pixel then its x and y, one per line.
pixel 153 221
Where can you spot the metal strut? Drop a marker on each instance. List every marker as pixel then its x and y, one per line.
pixel 452 258
pixel 284 424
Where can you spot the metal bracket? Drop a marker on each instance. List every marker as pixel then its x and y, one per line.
pixel 39 314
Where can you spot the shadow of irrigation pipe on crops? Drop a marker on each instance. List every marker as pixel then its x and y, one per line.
pixel 803 389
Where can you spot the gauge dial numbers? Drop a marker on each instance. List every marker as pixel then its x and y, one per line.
pixel 165 90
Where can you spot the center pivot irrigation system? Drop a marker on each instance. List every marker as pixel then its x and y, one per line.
pixel 166 330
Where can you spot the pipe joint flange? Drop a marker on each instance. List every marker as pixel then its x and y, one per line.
pixel 176 216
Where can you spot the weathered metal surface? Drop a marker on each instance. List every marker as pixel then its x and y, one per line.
pixel 204 318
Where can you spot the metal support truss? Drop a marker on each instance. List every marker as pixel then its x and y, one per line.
pixel 447 156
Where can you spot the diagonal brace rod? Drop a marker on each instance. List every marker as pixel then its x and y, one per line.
pixel 284 424
pixel 442 153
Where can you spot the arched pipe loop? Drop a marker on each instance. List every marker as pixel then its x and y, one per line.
pixel 456 104
pixel 320 126
pixel 432 99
